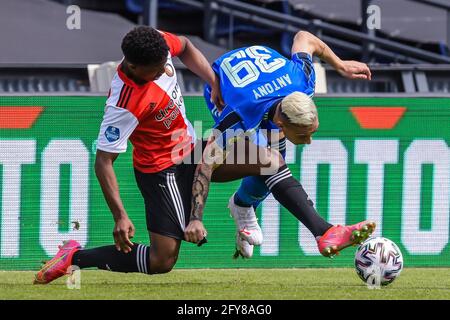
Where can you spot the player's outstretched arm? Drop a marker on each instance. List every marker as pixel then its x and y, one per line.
pixel 124 229
pixel 309 43
pixel 197 63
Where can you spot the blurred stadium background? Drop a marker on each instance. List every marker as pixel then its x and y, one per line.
pixel 409 53
pixel 381 152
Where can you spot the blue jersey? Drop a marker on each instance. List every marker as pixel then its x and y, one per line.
pixel 252 79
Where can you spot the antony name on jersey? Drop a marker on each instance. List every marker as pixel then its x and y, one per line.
pixel 272 86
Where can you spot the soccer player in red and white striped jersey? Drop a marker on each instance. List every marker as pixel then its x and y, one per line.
pixel 144 106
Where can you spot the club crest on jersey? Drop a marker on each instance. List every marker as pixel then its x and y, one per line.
pixel 112 134
pixel 169 70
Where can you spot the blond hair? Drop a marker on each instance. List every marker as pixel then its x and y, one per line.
pixel 299 109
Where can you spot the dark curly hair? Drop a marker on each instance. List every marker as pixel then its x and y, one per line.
pixel 144 46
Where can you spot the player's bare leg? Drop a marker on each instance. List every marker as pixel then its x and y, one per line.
pixel 163 253
pixel 290 193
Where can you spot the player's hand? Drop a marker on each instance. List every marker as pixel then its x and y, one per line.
pixel 355 70
pixel 123 232
pixel 216 95
pixel 195 231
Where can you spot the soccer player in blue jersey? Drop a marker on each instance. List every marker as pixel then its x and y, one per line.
pixel 266 98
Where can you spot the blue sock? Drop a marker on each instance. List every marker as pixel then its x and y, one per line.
pixel 251 192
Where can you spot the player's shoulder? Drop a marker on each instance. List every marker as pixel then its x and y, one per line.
pixel 117 85
pixel 121 93
pixel 116 82
pixel 173 41
pixel 303 63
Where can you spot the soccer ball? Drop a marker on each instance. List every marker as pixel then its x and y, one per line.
pixel 378 261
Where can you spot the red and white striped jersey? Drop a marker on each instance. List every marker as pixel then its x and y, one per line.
pixel 151 116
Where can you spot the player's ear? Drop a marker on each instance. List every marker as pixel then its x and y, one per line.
pixel 132 66
pixel 280 125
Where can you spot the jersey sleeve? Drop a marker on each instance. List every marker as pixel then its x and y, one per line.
pixel 174 43
pixel 228 128
pixel 117 126
pixel 216 65
pixel 304 65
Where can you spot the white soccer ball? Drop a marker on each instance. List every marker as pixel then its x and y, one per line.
pixel 378 261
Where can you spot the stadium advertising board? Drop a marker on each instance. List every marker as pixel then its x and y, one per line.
pixel 386 159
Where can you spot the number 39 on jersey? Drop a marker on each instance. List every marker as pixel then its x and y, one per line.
pixel 245 66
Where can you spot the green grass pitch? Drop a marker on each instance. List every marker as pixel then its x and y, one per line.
pixel 249 284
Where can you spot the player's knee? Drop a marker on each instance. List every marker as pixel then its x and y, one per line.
pixel 162 264
pixel 270 157
pixel 168 264
pixel 276 160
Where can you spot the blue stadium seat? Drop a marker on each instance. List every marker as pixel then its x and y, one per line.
pixel 135 6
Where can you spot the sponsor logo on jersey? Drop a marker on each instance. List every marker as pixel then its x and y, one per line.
pixel 172 110
pixel 112 134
